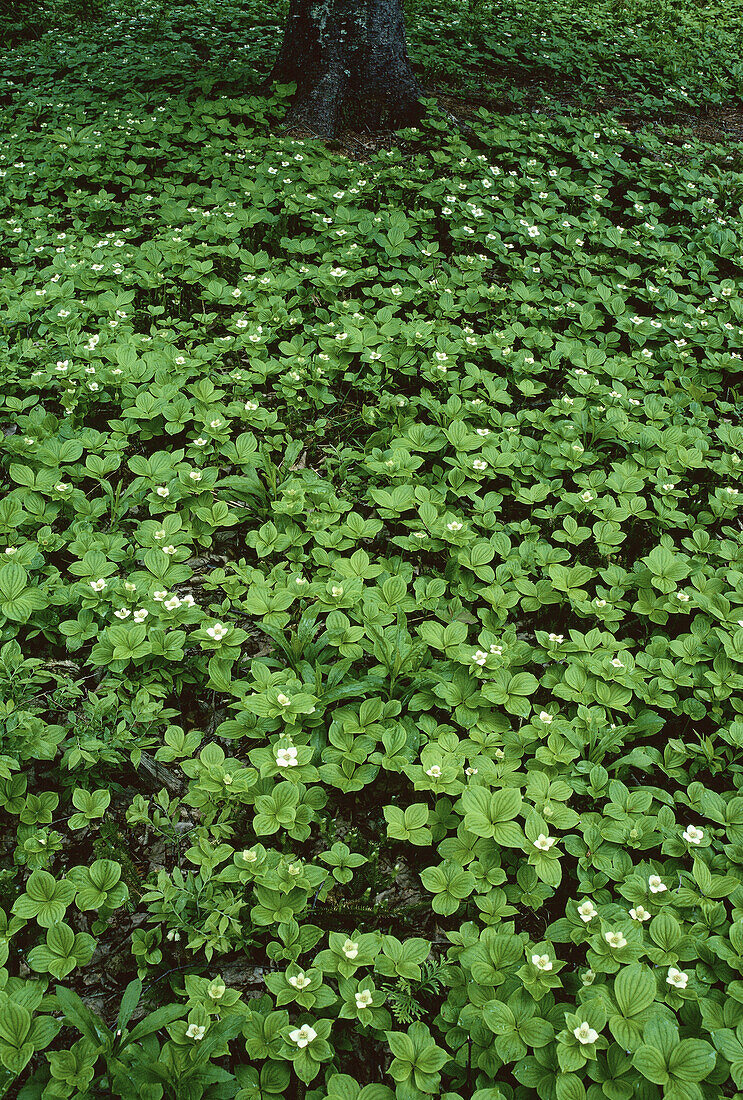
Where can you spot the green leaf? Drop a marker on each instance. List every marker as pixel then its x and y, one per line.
pixel 651 1064
pixel 634 989
pixel 692 1060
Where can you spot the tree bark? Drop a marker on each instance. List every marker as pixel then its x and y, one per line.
pixel 350 63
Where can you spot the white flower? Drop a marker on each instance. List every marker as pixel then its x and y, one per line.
pixel 587 911
pixel 299 981
pixel 692 835
pixel 162 491
pixel 587 496
pixel 496 649
pixel 350 949
pixel 455 525
pixel 336 591
pixel 169 550
pixel 195 475
pixel 639 913
pixel 218 631
pixel 251 406
pixel 677 978
pixel 544 843
pixel 122 613
pixel 479 465
pixel 616 663
pixel 588 977
pixel 287 758
pixel 682 597
pixel 657 886
pixel 195 1032
pixel 542 962
pixel 559 638
pixel 545 717
pixel 159 596
pixel 62 486
pixel 98 585
pixel 217 989
pixel 303 1035
pixel 479 658
pixel 283 700
pixel 615 939
pixel 585 1034
pixel 249 855
pixel 363 998
pixel 172 604
pixel 434 771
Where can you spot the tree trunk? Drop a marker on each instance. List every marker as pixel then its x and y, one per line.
pixel 350 63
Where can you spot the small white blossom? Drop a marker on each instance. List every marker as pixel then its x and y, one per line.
pixel 656 884
pixel 350 949
pixel 363 999
pixel 542 962
pixel 615 939
pixel 692 835
pixel 639 913
pixel 677 978
pixel 195 1032
pixel 585 1034
pixel 287 758
pixel 544 843
pixel 299 981
pixel 587 911
pixel 303 1035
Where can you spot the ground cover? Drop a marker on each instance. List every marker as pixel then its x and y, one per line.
pixel 371 585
